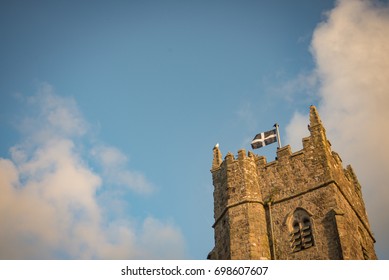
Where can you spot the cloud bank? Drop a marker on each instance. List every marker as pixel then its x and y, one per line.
pixel 351 52
pixel 53 204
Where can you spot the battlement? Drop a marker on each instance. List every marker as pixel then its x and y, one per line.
pixel 257 201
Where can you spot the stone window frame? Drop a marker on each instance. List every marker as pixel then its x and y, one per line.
pixel 300 227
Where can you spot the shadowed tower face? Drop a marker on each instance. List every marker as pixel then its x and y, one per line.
pixel 303 205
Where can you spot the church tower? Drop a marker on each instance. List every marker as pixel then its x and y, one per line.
pixel 303 205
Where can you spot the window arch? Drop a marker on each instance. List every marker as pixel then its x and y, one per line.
pixel 300 228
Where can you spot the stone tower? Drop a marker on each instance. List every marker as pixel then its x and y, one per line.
pixel 303 205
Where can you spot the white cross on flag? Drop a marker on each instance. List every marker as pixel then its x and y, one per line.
pixel 264 138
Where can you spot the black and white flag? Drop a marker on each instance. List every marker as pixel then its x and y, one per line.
pixel 264 138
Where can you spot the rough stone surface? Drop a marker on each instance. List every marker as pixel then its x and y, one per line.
pixel 303 205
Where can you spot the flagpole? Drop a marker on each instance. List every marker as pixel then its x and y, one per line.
pixel 278 136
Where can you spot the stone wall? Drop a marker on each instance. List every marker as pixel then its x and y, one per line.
pixel 240 223
pixel 303 205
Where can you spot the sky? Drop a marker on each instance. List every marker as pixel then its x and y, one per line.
pixel 109 111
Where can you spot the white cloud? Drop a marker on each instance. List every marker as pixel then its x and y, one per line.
pixel 114 165
pixel 351 51
pixel 296 130
pixel 49 206
pixel 55 116
pixel 302 86
pixel 160 240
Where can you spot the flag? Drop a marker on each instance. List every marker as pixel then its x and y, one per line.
pixel 264 138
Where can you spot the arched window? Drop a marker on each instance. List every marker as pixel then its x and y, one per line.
pixel 300 225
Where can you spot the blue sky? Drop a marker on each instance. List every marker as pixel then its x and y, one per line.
pixel 124 100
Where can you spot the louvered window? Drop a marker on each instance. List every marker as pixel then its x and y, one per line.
pixel 301 236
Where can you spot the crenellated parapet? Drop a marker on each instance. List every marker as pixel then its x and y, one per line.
pixel 263 209
pixel 240 222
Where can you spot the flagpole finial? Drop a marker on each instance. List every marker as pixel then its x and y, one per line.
pixel 278 136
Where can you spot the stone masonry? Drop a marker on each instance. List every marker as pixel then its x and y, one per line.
pixel 303 205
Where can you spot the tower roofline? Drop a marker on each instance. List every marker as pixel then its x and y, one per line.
pixel 302 205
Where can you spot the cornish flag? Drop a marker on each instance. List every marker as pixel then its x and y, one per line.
pixel 264 138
